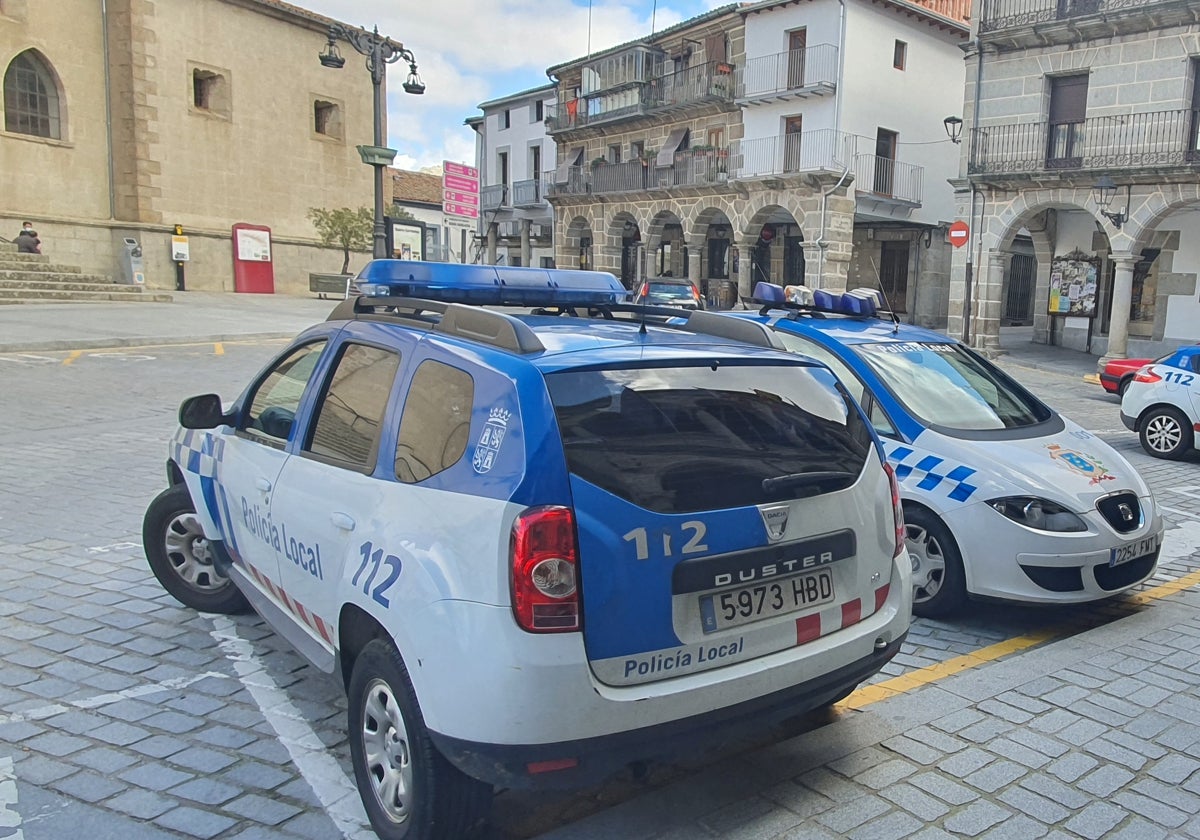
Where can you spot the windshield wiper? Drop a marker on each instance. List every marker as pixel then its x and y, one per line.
pixel 792 481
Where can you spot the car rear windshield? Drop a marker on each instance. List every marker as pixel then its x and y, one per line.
pixel 944 385
pixel 683 439
pixel 670 290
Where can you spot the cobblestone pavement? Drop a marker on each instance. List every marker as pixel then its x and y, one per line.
pixel 125 713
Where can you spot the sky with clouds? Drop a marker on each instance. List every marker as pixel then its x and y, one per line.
pixel 470 51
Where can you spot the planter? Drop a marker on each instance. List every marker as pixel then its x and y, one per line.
pixel 329 284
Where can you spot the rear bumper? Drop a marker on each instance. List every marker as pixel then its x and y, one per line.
pixel 589 760
pixel 1130 423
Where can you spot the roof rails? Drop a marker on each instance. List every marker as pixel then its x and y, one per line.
pixel 486 326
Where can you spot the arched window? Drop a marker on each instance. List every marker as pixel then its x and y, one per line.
pixel 31 103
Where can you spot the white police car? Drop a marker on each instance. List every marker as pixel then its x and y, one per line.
pixel 1162 404
pixel 535 548
pixel 1003 497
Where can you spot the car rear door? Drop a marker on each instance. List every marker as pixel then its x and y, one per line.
pixel 724 512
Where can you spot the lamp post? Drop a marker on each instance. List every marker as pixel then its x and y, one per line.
pixel 380 52
pixel 954 127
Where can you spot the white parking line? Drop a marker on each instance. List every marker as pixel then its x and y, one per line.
pixel 324 775
pixel 1178 512
pixel 10 818
pixel 43 712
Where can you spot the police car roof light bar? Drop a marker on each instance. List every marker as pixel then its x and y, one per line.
pixel 857 303
pixel 488 285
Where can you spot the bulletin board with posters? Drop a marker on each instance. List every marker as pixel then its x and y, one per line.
pixel 1073 288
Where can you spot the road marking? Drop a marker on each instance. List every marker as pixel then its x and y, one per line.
pixel 868 694
pixel 10 817
pixel 1178 512
pixel 218 349
pixel 27 359
pixel 121 356
pixel 75 354
pixel 338 796
pixel 1190 491
pixel 43 712
pixel 117 546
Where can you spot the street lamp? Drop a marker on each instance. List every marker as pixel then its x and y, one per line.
pixel 953 126
pixel 380 52
pixel 1103 192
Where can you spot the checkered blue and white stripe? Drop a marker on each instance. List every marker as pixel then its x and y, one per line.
pixel 929 472
pixel 196 451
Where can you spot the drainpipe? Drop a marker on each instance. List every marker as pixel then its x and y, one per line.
pixel 837 131
pixel 970 271
pixel 108 122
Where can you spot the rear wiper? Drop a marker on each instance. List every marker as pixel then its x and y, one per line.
pixel 805 479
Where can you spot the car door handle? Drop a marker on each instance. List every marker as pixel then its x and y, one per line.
pixel 341 520
pixel 263 485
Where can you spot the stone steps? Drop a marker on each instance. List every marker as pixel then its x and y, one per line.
pixel 42 265
pixel 68 283
pixel 52 279
pixel 129 294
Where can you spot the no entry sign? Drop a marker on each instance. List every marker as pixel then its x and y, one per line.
pixel 958 234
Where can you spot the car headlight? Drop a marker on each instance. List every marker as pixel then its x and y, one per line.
pixel 1041 514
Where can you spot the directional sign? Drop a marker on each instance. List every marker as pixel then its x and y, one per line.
pixel 460 190
pixel 456 197
pixel 454 182
pixel 452 209
pixel 460 169
pixel 958 234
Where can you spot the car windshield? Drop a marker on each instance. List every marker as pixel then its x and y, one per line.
pixel 944 385
pixel 684 439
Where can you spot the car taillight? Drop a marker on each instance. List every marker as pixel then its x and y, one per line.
pixel 644 290
pixel 1146 375
pixel 545 563
pixel 897 509
pixel 695 293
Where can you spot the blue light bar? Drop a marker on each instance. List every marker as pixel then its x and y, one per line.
pixel 489 285
pixel 863 303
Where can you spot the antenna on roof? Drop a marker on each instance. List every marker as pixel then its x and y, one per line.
pixel 589 49
pixel 653 15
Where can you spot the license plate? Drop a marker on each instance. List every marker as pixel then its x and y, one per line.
pixel 1125 553
pixel 763 600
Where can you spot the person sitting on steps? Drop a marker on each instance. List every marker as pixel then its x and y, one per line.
pixel 27 240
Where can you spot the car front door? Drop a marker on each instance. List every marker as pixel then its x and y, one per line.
pixel 328 492
pixel 253 454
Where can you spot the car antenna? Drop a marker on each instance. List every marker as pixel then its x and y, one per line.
pixel 888 304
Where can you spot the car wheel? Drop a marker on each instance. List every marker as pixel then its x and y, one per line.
pixel 1166 433
pixel 1123 385
pixel 182 558
pixel 939 585
pixel 410 791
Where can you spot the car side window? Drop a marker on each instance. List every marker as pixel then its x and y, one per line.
pixel 853 384
pixel 350 412
pixel 273 407
pixel 436 421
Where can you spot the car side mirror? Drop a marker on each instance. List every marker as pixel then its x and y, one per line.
pixel 202 412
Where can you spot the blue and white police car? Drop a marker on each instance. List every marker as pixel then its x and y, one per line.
pixel 536 547
pixel 1003 497
pixel 1162 404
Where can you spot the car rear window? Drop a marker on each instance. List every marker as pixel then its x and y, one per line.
pixel 944 385
pixel 670 290
pixel 683 439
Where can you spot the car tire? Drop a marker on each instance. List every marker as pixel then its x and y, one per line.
pixel 410 791
pixel 1166 433
pixel 183 559
pixel 1123 385
pixel 939 583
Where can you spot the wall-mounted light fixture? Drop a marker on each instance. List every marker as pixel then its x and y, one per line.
pixel 1103 193
pixel 953 126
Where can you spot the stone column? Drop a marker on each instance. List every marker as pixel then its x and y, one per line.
pixel 745 264
pixel 987 303
pixel 526 249
pixel 491 244
pixel 1118 324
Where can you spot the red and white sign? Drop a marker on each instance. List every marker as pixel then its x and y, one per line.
pixel 958 234
pixel 460 191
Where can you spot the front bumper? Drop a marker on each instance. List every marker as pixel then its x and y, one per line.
pixel 1110 383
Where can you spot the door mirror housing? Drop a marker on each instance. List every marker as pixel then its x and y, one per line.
pixel 202 412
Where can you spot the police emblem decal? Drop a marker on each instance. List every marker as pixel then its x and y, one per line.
pixel 490 440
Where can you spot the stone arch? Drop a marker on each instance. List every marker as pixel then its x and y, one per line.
pixel 772 241
pixel 665 245
pixel 712 265
pixel 1148 212
pixel 578 242
pixel 622 247
pixel 35 102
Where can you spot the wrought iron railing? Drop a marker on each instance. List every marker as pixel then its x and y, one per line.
pixel 809 151
pixel 793 70
pixel 1007 14
pixel 493 196
pixel 888 178
pixel 527 193
pixel 1159 138
pixel 703 83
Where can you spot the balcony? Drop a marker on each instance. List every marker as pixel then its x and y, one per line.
pixel 1129 141
pixel 492 197
pixel 797 74
pixel 527 193
pixel 703 84
pixel 1030 22
pixel 824 150
pixel 890 181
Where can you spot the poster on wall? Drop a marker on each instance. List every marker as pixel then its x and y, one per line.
pixel 254 245
pixel 1073 285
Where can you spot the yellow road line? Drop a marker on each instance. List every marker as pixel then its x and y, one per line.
pixel 75 354
pixel 218 349
pixel 866 695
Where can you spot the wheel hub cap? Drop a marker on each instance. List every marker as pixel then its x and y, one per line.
pixel 191 554
pixel 386 751
pixel 928 563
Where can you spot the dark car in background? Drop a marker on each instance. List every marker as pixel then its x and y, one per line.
pixel 669 291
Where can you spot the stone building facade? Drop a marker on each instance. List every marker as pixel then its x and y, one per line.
pixel 126 118
pixel 748 144
pixel 1079 170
